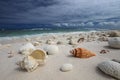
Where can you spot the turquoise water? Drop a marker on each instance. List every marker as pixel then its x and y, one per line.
pixel 31 29
pixel 9 33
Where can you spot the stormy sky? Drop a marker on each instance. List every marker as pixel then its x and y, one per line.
pixel 49 11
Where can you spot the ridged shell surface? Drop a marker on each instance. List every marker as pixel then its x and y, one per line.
pixel 111 68
pixel 82 53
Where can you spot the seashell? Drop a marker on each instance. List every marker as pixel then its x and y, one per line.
pixel 72 42
pixel 32 61
pixel 82 53
pixel 36 43
pixel 27 49
pixel 103 38
pixel 66 67
pixel 114 34
pixel 111 68
pixel 49 41
pixel 104 51
pixel 114 42
pixel 39 55
pixel 52 49
pixel 81 40
pixel 28 63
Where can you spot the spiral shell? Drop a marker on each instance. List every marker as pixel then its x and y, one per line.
pixel 32 61
pixel 39 55
pixel 82 53
pixel 28 63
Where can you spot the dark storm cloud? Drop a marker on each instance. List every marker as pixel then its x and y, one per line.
pixel 16 10
pixel 40 11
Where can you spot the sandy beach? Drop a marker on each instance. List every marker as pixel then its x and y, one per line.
pixel 83 68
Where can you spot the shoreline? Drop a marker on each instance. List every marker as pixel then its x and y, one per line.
pixel 6 40
pixel 22 38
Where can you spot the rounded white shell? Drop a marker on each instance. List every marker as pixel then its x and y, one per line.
pixel 52 49
pixel 28 63
pixel 27 49
pixel 36 43
pixel 111 68
pixel 50 41
pixel 72 42
pixel 114 42
pixel 66 67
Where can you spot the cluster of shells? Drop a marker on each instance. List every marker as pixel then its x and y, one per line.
pixel 33 57
pixel 74 39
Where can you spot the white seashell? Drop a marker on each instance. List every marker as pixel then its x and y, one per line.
pixel 32 61
pixel 28 39
pixel 49 41
pixel 27 49
pixel 66 67
pixel 111 68
pixel 103 38
pixel 52 49
pixel 28 63
pixel 114 42
pixel 36 43
pixel 72 42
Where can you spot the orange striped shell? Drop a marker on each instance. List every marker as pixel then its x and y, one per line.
pixel 82 53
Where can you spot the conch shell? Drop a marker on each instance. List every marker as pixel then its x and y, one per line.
pixel 82 53
pixel 32 61
pixel 39 55
pixel 28 63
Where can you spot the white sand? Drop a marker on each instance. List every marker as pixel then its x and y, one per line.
pixel 83 69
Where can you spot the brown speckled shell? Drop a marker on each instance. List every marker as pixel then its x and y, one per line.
pixel 82 53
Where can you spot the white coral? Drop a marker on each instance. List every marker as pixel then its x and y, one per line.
pixel 27 49
pixel 111 68
pixel 114 42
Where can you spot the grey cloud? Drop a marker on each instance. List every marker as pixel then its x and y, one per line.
pixel 109 24
pixel 31 11
pixel 89 24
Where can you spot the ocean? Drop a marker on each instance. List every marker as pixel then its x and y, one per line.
pixel 12 30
